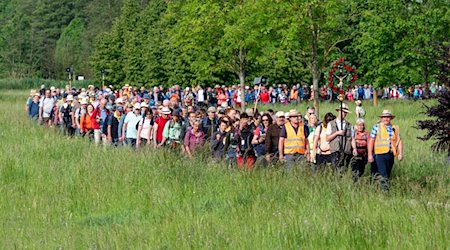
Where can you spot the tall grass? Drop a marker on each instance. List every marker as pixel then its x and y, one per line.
pixel 67 193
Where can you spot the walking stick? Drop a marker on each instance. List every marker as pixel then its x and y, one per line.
pixel 256 97
pixel 341 141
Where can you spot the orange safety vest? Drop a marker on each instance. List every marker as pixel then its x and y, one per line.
pixel 382 143
pixel 295 142
pixel 294 94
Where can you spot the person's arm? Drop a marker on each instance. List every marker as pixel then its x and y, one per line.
pixel 216 140
pixel 355 153
pixel 370 149
pixel 399 147
pixel 60 115
pixel 27 105
pixel 186 143
pixel 109 137
pixel 268 143
pixel 332 136
pixel 82 123
pixel 138 140
pixel 149 133
pixel 400 150
pixel 255 140
pixel 281 148
pixel 124 129
pixel 72 116
pixel 307 152
pixel 316 141
pixel 371 143
pixel 155 132
pixel 165 133
pixel 77 123
pixel 41 109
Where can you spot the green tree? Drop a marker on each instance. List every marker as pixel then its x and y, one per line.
pixel 398 41
pixel 69 50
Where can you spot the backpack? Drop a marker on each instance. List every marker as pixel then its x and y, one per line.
pixel 260 148
pixel 325 147
pixel 245 142
pixel 105 123
pixel 139 122
pixel 79 114
pixel 361 142
pixel 66 114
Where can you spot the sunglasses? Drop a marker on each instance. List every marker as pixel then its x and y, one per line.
pixel 265 120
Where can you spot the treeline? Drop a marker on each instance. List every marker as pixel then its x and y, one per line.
pixel 149 42
pixel 40 38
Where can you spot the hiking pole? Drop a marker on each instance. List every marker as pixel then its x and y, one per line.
pixel 341 141
pixel 256 97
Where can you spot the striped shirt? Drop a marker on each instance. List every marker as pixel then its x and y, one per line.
pixel 390 131
pixel 389 128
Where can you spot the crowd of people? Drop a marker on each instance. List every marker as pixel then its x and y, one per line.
pixel 182 121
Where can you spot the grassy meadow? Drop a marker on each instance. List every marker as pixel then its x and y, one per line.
pixel 66 193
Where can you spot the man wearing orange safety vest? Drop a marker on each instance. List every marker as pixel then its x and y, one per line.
pixel 385 142
pixel 293 97
pixel 293 145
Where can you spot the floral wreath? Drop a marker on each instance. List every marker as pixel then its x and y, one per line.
pixel 341 72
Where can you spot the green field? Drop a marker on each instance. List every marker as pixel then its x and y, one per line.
pixel 67 193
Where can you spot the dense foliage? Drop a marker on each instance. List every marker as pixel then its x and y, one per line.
pixel 225 41
pixel 438 128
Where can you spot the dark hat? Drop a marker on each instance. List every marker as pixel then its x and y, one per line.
pixel 176 112
pixel 146 96
pixel 244 115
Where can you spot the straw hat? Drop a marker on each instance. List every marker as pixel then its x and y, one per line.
pixel 120 100
pixel 387 113
pixel 212 110
pixel 279 114
pixel 144 105
pixel 126 86
pixel 84 102
pixel 165 111
pixel 344 108
pixel 69 98
pixel 137 106
pixel 293 113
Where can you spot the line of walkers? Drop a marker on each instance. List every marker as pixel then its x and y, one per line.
pixel 241 139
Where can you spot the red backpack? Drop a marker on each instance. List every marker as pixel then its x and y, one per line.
pixel 361 142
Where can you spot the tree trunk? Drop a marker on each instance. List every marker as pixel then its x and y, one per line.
pixel 241 74
pixel 314 63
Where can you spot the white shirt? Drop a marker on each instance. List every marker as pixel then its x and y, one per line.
pixel 338 124
pixel 47 104
pixel 200 95
pixel 145 128
pixel 131 120
pixel 238 98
